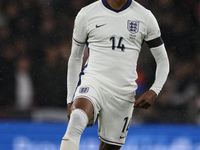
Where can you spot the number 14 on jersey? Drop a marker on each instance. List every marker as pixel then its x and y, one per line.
pixel 119 46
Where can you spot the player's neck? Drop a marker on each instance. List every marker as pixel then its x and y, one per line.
pixel 116 4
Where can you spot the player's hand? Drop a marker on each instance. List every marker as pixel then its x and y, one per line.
pixel 68 110
pixel 145 100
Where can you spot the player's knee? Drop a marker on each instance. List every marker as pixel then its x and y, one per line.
pixel 79 119
pixel 78 122
pixel 85 105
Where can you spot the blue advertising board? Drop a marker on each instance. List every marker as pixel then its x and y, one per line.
pixel 47 136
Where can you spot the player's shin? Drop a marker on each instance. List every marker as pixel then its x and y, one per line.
pixel 78 122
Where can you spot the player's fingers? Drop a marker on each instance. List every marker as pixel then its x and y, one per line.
pixel 68 111
pixel 142 103
pixel 146 104
pixel 68 114
pixel 138 103
pixel 68 117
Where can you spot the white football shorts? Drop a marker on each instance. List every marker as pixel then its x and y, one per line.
pixel 114 114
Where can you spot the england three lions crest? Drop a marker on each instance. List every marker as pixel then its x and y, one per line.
pixel 133 26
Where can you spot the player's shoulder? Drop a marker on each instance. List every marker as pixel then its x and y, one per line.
pixel 89 9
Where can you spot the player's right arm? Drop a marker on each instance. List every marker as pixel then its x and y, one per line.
pixel 76 57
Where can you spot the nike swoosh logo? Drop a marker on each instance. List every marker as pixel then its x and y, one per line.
pixel 98 26
pixel 122 137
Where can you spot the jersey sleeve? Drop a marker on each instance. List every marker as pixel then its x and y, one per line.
pixel 80 28
pixel 157 48
pixel 74 68
pixel 153 30
pixel 162 67
pixel 76 57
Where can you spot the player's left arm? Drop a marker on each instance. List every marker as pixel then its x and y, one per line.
pixel 159 53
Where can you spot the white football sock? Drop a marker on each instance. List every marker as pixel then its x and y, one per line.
pixel 77 123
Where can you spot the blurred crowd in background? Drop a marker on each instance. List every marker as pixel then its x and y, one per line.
pixel 35 41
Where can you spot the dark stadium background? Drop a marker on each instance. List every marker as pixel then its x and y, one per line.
pixel 35 40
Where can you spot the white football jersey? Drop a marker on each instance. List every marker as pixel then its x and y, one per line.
pixel 114 40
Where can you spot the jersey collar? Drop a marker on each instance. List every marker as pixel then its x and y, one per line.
pixel 128 3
